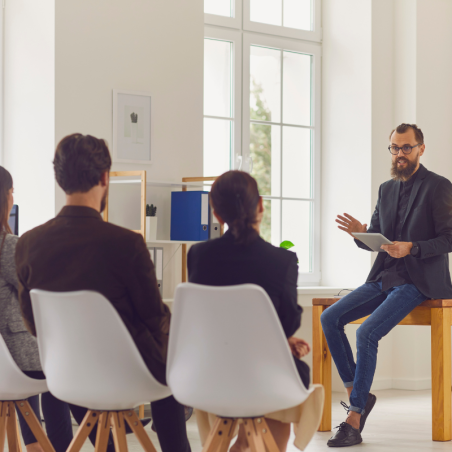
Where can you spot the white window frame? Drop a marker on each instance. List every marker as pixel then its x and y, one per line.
pixel 277 30
pixel 223 21
pixel 249 39
pixel 224 34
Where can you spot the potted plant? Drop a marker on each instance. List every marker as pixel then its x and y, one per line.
pixel 151 223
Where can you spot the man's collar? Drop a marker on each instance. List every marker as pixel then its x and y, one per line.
pixel 79 211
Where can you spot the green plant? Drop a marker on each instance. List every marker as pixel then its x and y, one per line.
pixel 287 244
pixel 151 210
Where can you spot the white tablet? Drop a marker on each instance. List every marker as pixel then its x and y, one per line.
pixel 372 240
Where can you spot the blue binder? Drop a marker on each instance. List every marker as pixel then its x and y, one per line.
pixel 190 213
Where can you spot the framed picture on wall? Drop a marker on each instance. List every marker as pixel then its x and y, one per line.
pixel 131 126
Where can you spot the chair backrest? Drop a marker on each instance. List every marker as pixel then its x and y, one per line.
pixel 14 384
pixel 87 353
pixel 228 353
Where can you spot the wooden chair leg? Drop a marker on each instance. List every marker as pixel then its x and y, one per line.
pixel 141 412
pixel 103 432
pixel 264 431
pixel 119 431
pixel 35 425
pixel 84 430
pixel 214 439
pixel 228 429
pixel 139 431
pixel 255 440
pixel 3 420
pixel 14 443
pixel 441 374
pixel 321 365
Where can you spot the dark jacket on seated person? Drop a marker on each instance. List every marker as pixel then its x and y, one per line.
pixel 77 250
pixel 223 262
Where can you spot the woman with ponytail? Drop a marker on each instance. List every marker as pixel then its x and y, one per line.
pixel 20 342
pixel 241 256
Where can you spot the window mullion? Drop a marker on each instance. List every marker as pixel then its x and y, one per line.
pixel 281 149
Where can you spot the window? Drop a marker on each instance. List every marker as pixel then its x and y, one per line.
pixel 279 141
pixel 222 101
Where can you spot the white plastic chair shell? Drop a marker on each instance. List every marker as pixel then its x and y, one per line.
pixel 228 354
pixel 14 384
pixel 87 353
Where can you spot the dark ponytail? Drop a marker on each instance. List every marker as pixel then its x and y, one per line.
pixel 6 183
pixel 235 197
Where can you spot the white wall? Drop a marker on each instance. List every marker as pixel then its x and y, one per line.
pixel 29 107
pixel 346 128
pixel 150 46
pixel 62 60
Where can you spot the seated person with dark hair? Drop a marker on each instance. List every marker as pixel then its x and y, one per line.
pixel 241 256
pixel 21 344
pixel 77 250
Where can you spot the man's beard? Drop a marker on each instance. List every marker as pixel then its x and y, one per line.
pixel 403 174
pixel 103 202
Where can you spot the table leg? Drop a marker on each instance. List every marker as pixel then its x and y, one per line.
pixel 321 365
pixel 441 374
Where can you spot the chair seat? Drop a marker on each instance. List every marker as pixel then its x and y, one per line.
pixel 114 398
pixel 233 406
pixel 21 389
pixel 228 354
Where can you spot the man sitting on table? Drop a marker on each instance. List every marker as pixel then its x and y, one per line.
pixel 77 250
pixel 414 211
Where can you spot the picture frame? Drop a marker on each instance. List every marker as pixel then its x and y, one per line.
pixel 132 126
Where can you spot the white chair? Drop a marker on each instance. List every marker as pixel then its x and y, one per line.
pixel 228 355
pixel 15 388
pixel 90 360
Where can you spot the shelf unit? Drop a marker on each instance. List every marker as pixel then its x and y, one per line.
pixel 174 242
pixel 139 177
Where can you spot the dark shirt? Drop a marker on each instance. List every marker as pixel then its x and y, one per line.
pixel 395 272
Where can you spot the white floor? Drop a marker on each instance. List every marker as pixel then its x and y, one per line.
pixel 400 421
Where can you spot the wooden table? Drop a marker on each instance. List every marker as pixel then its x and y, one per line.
pixel 437 314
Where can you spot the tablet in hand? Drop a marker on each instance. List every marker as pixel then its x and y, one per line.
pixel 372 240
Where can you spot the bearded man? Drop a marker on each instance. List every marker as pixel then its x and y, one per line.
pixel 414 211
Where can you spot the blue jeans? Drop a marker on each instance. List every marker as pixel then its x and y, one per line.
pixel 386 310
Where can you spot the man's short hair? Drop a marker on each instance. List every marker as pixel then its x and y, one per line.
pixel 80 160
pixel 404 128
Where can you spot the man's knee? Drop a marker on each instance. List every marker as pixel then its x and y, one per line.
pixel 328 320
pixel 366 334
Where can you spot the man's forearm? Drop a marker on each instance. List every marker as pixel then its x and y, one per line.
pixel 434 247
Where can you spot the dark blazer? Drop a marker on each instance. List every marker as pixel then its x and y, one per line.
pixel 221 262
pixel 428 221
pixel 77 250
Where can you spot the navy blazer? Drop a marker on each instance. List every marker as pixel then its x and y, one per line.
pixel 428 221
pixel 222 262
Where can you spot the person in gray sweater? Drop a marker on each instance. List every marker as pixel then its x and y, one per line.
pixel 21 344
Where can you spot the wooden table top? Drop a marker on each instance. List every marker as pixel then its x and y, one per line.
pixel 425 304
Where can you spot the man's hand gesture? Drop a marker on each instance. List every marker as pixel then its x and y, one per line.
pixel 350 224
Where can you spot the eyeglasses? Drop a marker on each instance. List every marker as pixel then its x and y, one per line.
pixel 406 149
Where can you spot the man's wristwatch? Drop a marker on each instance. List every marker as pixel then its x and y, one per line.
pixel 414 249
